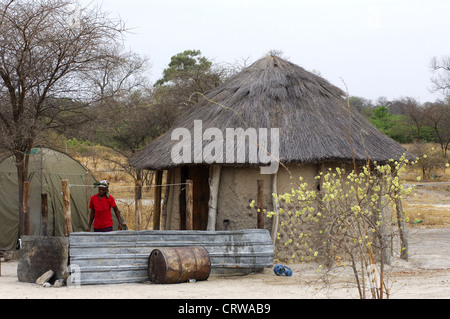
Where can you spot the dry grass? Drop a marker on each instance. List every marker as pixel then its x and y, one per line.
pixel 121 185
pixel 429 205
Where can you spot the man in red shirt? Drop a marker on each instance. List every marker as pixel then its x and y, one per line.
pixel 100 206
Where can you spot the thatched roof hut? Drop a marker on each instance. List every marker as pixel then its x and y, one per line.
pixel 312 115
pixel 314 123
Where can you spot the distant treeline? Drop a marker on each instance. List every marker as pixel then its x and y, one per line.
pixel 406 120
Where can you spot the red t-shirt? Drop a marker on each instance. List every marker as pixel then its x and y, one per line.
pixel 102 208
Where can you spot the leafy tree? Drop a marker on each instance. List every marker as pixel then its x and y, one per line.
pixel 185 65
pixel 394 126
pixel 401 127
pixel 382 119
pixel 188 72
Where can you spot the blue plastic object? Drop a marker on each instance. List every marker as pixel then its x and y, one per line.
pixel 281 270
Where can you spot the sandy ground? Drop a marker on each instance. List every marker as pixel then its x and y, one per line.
pixel 426 275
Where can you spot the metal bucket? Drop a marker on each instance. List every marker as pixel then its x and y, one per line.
pixel 171 265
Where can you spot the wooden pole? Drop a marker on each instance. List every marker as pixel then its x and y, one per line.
pixel 44 214
pixel 171 196
pixel 182 199
pixel 138 203
pixel 166 198
pixel 189 205
pixel 66 207
pixel 214 183
pixel 157 201
pixel 26 208
pixel 89 190
pixel 260 199
pixel 276 208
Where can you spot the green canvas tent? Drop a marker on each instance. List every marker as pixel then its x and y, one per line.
pixel 47 169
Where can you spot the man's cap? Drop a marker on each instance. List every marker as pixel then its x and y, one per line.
pixel 103 183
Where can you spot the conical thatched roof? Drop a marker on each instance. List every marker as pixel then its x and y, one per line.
pixel 311 114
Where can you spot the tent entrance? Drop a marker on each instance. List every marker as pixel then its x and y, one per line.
pixel 200 180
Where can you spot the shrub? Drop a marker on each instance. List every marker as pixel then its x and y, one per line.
pixel 347 223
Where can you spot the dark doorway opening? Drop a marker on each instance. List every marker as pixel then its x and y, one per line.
pixel 199 175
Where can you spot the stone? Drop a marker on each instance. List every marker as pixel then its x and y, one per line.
pixel 45 277
pixel 59 283
pixel 46 285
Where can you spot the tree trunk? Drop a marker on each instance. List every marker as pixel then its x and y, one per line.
pixel 403 231
pixel 26 208
pixel 22 160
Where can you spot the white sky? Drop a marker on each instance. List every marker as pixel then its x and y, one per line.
pixel 379 48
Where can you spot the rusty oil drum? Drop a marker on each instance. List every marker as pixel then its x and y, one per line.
pixel 171 265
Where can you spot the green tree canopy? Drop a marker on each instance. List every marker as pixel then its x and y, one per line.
pixel 185 63
pixel 187 73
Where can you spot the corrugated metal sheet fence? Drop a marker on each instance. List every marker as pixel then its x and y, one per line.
pixel 122 257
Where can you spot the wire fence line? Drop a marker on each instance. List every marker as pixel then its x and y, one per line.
pixel 132 186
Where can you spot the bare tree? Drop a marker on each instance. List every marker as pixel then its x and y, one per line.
pixel 45 47
pixel 416 112
pixel 117 74
pixel 439 116
pixel 441 79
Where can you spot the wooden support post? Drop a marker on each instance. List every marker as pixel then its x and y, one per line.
pixel 166 198
pixel 172 189
pixel 44 214
pixel 214 182
pixel 26 208
pixel 138 204
pixel 184 176
pixel 276 208
pixel 66 207
pixel 157 201
pixel 260 199
pixel 189 205
pixel 89 190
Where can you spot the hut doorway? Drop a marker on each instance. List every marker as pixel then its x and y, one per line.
pixel 200 184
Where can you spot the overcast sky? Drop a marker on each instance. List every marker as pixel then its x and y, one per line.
pixel 379 48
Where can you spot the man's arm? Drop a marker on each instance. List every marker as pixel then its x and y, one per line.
pixel 91 220
pixel 119 219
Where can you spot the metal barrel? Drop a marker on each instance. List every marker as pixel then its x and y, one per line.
pixel 170 265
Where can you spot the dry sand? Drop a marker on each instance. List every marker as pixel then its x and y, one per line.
pixel 426 275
